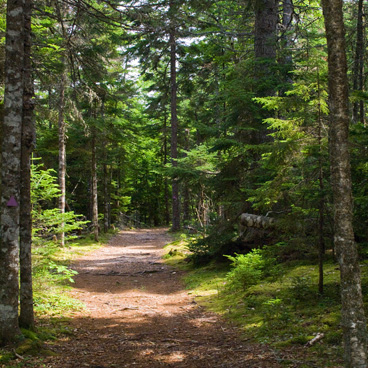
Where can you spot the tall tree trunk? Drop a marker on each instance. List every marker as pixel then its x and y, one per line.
pixel 10 172
pixel 321 209
pixel 186 196
pixel 106 197
pixel 26 317
pixel 265 26
pixel 265 37
pixel 174 125
pixel 287 59
pixel 358 81
pixel 166 184
pixel 62 151
pixel 352 319
pixel 94 186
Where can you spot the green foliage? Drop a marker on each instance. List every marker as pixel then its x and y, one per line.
pixel 247 269
pixel 48 222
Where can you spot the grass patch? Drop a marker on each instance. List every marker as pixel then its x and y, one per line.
pixel 282 308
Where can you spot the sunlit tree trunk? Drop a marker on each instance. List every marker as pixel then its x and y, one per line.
pixel 26 317
pixel 352 314
pixel 10 172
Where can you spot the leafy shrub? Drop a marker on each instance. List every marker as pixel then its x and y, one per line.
pixel 47 221
pixel 248 269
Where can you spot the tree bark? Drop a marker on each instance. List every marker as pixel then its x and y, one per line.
pixel 174 126
pixel 352 318
pixel 358 81
pixel 166 184
pixel 265 37
pixel 62 151
pixel 26 317
pixel 10 172
pixel 94 186
pixel 106 198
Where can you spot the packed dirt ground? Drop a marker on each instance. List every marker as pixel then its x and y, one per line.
pixel 139 314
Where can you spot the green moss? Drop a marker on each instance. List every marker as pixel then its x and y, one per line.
pixel 282 310
pixel 6 356
pixel 31 335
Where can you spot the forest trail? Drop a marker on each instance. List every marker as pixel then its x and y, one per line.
pixel 138 314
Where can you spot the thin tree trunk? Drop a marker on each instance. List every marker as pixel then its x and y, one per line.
pixel 358 81
pixel 106 176
pixel 186 196
pixel 166 184
pixel 10 173
pixel 26 317
pixel 106 197
pixel 62 151
pixel 321 209
pixel 94 186
pixel 174 127
pixel 352 315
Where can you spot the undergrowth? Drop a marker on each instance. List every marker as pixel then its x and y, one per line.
pixel 271 302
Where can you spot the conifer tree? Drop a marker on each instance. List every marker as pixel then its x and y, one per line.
pixel 353 319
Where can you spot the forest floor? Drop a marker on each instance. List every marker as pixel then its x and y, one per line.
pixel 139 314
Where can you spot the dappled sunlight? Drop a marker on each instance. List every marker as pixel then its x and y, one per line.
pixel 138 313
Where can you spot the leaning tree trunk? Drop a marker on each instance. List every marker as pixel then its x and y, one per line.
pixel 26 317
pixel 352 318
pixel 174 128
pixel 10 173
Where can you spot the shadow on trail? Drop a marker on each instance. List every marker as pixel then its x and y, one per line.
pixel 139 315
pixel 188 339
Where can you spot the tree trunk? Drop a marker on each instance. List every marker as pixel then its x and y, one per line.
pixel 94 186
pixel 321 209
pixel 10 173
pixel 106 198
pixel 287 59
pixel 174 126
pixel 358 81
pixel 26 317
pixel 266 17
pixel 166 184
pixel 62 151
pixel 352 318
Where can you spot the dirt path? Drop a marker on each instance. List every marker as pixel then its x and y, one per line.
pixel 139 315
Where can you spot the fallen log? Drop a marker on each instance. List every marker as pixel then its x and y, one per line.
pixel 259 222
